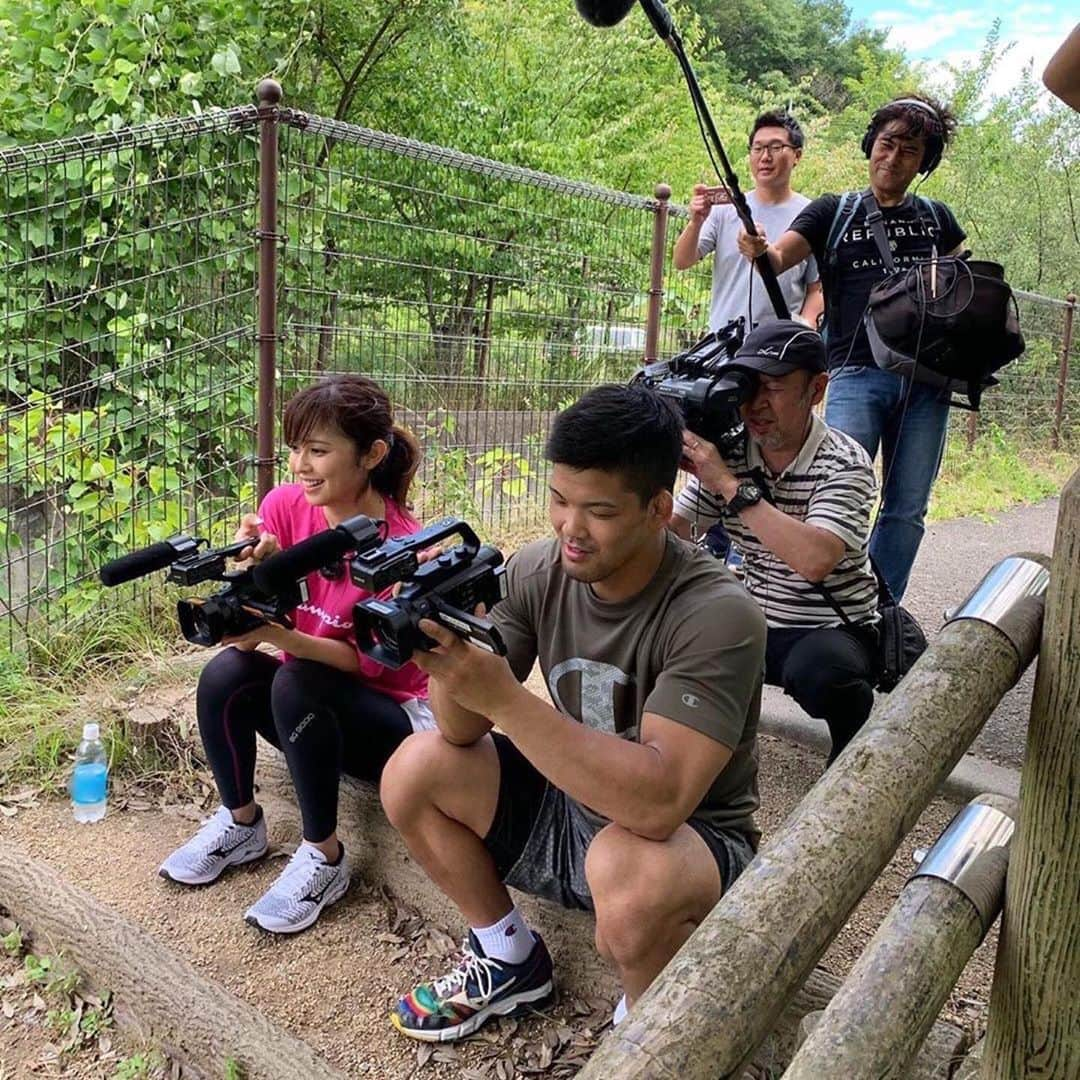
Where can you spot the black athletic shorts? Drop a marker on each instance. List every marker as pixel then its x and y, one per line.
pixel 539 835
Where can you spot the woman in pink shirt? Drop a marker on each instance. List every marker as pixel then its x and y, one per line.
pixel 328 707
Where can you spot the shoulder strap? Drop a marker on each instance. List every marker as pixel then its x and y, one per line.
pixel 929 204
pixel 885 596
pixel 831 601
pixel 845 211
pixel 875 221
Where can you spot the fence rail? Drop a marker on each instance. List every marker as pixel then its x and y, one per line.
pixel 484 296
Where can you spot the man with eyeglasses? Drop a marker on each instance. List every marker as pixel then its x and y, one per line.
pixel 776 145
pixel 908 420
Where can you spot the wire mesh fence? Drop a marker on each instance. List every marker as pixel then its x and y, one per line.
pixel 482 296
pixel 127 285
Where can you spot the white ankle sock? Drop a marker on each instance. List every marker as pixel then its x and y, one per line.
pixel 619 1015
pixel 509 939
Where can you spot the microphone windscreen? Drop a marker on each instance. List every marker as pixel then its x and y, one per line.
pixel 282 570
pixel 603 12
pixel 137 563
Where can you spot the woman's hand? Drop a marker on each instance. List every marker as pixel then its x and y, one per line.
pixel 264 544
pixel 269 632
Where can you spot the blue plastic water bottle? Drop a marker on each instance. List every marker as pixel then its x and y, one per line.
pixel 90 780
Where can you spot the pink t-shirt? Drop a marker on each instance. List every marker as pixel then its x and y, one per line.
pixel 328 612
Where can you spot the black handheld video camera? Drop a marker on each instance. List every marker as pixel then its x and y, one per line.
pixel 252 596
pixel 706 389
pixel 446 589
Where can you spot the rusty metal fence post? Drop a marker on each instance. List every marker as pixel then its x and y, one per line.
pixel 656 273
pixel 269 94
pixel 1063 369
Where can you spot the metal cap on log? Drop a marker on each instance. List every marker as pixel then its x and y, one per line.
pixel 888 1005
pixel 1005 594
pixel 972 853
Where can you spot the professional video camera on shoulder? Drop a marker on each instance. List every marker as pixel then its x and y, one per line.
pixel 445 589
pixel 705 386
pixel 253 595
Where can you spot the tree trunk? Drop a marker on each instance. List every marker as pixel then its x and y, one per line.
pixel 876 1022
pixel 722 992
pixel 1034 1028
pixel 198 1023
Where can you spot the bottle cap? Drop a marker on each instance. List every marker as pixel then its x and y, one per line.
pixel 91 732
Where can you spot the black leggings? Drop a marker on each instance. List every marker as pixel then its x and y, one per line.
pixel 829 671
pixel 326 722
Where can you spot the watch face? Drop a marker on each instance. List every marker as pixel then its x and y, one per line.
pixel 749 492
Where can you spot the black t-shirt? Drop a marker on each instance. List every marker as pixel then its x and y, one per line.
pixel 855 267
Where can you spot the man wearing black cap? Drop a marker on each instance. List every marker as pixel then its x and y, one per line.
pixel 796 498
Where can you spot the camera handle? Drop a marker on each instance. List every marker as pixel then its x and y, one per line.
pixel 478 630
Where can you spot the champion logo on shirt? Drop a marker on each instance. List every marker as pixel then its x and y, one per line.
pixel 326 617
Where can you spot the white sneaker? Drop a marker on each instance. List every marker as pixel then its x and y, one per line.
pixel 307 885
pixel 219 843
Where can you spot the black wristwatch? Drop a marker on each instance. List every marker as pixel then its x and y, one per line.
pixel 746 494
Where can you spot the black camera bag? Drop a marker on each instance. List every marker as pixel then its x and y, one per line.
pixel 947 321
pixel 900 640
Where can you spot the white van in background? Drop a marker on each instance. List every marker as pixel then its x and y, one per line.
pixel 610 337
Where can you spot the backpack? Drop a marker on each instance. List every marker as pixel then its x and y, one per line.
pixel 948 322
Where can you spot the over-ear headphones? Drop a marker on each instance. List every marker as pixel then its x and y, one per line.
pixel 935 144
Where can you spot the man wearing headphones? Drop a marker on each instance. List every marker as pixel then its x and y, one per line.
pixel 907 419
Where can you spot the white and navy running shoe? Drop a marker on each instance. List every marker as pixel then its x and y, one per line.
pixel 478 988
pixel 219 844
pixel 307 885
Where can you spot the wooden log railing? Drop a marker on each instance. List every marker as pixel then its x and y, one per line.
pixel 876 1022
pixel 721 994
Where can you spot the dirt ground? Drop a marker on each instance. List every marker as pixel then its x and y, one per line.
pixel 334 984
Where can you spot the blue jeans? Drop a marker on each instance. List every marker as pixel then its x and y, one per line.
pixel 868 404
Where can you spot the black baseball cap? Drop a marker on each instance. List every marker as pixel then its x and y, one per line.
pixel 780 346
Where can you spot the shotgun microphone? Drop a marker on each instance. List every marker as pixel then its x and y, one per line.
pixel 610 12
pixel 284 569
pixel 137 563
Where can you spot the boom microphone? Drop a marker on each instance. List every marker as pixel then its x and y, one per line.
pixel 601 13
pixel 610 12
pixel 282 570
pixel 136 563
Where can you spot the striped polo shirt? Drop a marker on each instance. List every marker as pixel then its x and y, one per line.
pixel 830 484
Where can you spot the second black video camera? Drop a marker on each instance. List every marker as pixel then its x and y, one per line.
pixel 706 389
pixel 445 589
pixel 252 596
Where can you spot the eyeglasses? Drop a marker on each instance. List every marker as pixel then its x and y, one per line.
pixel 772 149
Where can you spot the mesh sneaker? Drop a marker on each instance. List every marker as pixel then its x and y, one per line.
pixel 219 843
pixel 306 885
pixel 480 987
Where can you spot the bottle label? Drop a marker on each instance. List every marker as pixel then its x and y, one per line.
pixel 88 783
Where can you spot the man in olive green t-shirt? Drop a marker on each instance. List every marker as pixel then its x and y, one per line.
pixel 653 656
